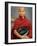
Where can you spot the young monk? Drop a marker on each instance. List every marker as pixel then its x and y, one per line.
pixel 21 21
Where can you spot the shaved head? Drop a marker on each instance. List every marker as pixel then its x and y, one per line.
pixel 21 8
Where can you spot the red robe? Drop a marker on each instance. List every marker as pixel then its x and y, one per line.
pixel 24 22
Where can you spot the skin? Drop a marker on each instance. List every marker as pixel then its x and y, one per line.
pixel 21 12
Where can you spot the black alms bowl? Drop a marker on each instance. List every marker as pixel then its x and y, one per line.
pixel 22 30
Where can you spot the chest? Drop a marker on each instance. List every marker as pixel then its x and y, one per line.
pixel 23 22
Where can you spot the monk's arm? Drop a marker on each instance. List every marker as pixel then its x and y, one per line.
pixel 20 36
pixel 17 34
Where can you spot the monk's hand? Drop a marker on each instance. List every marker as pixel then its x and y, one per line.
pixel 25 37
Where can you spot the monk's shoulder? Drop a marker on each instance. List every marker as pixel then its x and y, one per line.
pixel 17 20
pixel 28 21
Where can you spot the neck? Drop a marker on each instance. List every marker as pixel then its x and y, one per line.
pixel 22 17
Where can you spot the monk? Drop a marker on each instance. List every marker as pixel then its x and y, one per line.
pixel 21 21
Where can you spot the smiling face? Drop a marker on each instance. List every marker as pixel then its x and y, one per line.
pixel 21 11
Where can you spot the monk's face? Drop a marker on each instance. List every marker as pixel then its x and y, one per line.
pixel 21 11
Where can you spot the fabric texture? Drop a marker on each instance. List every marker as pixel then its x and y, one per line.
pixel 23 22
